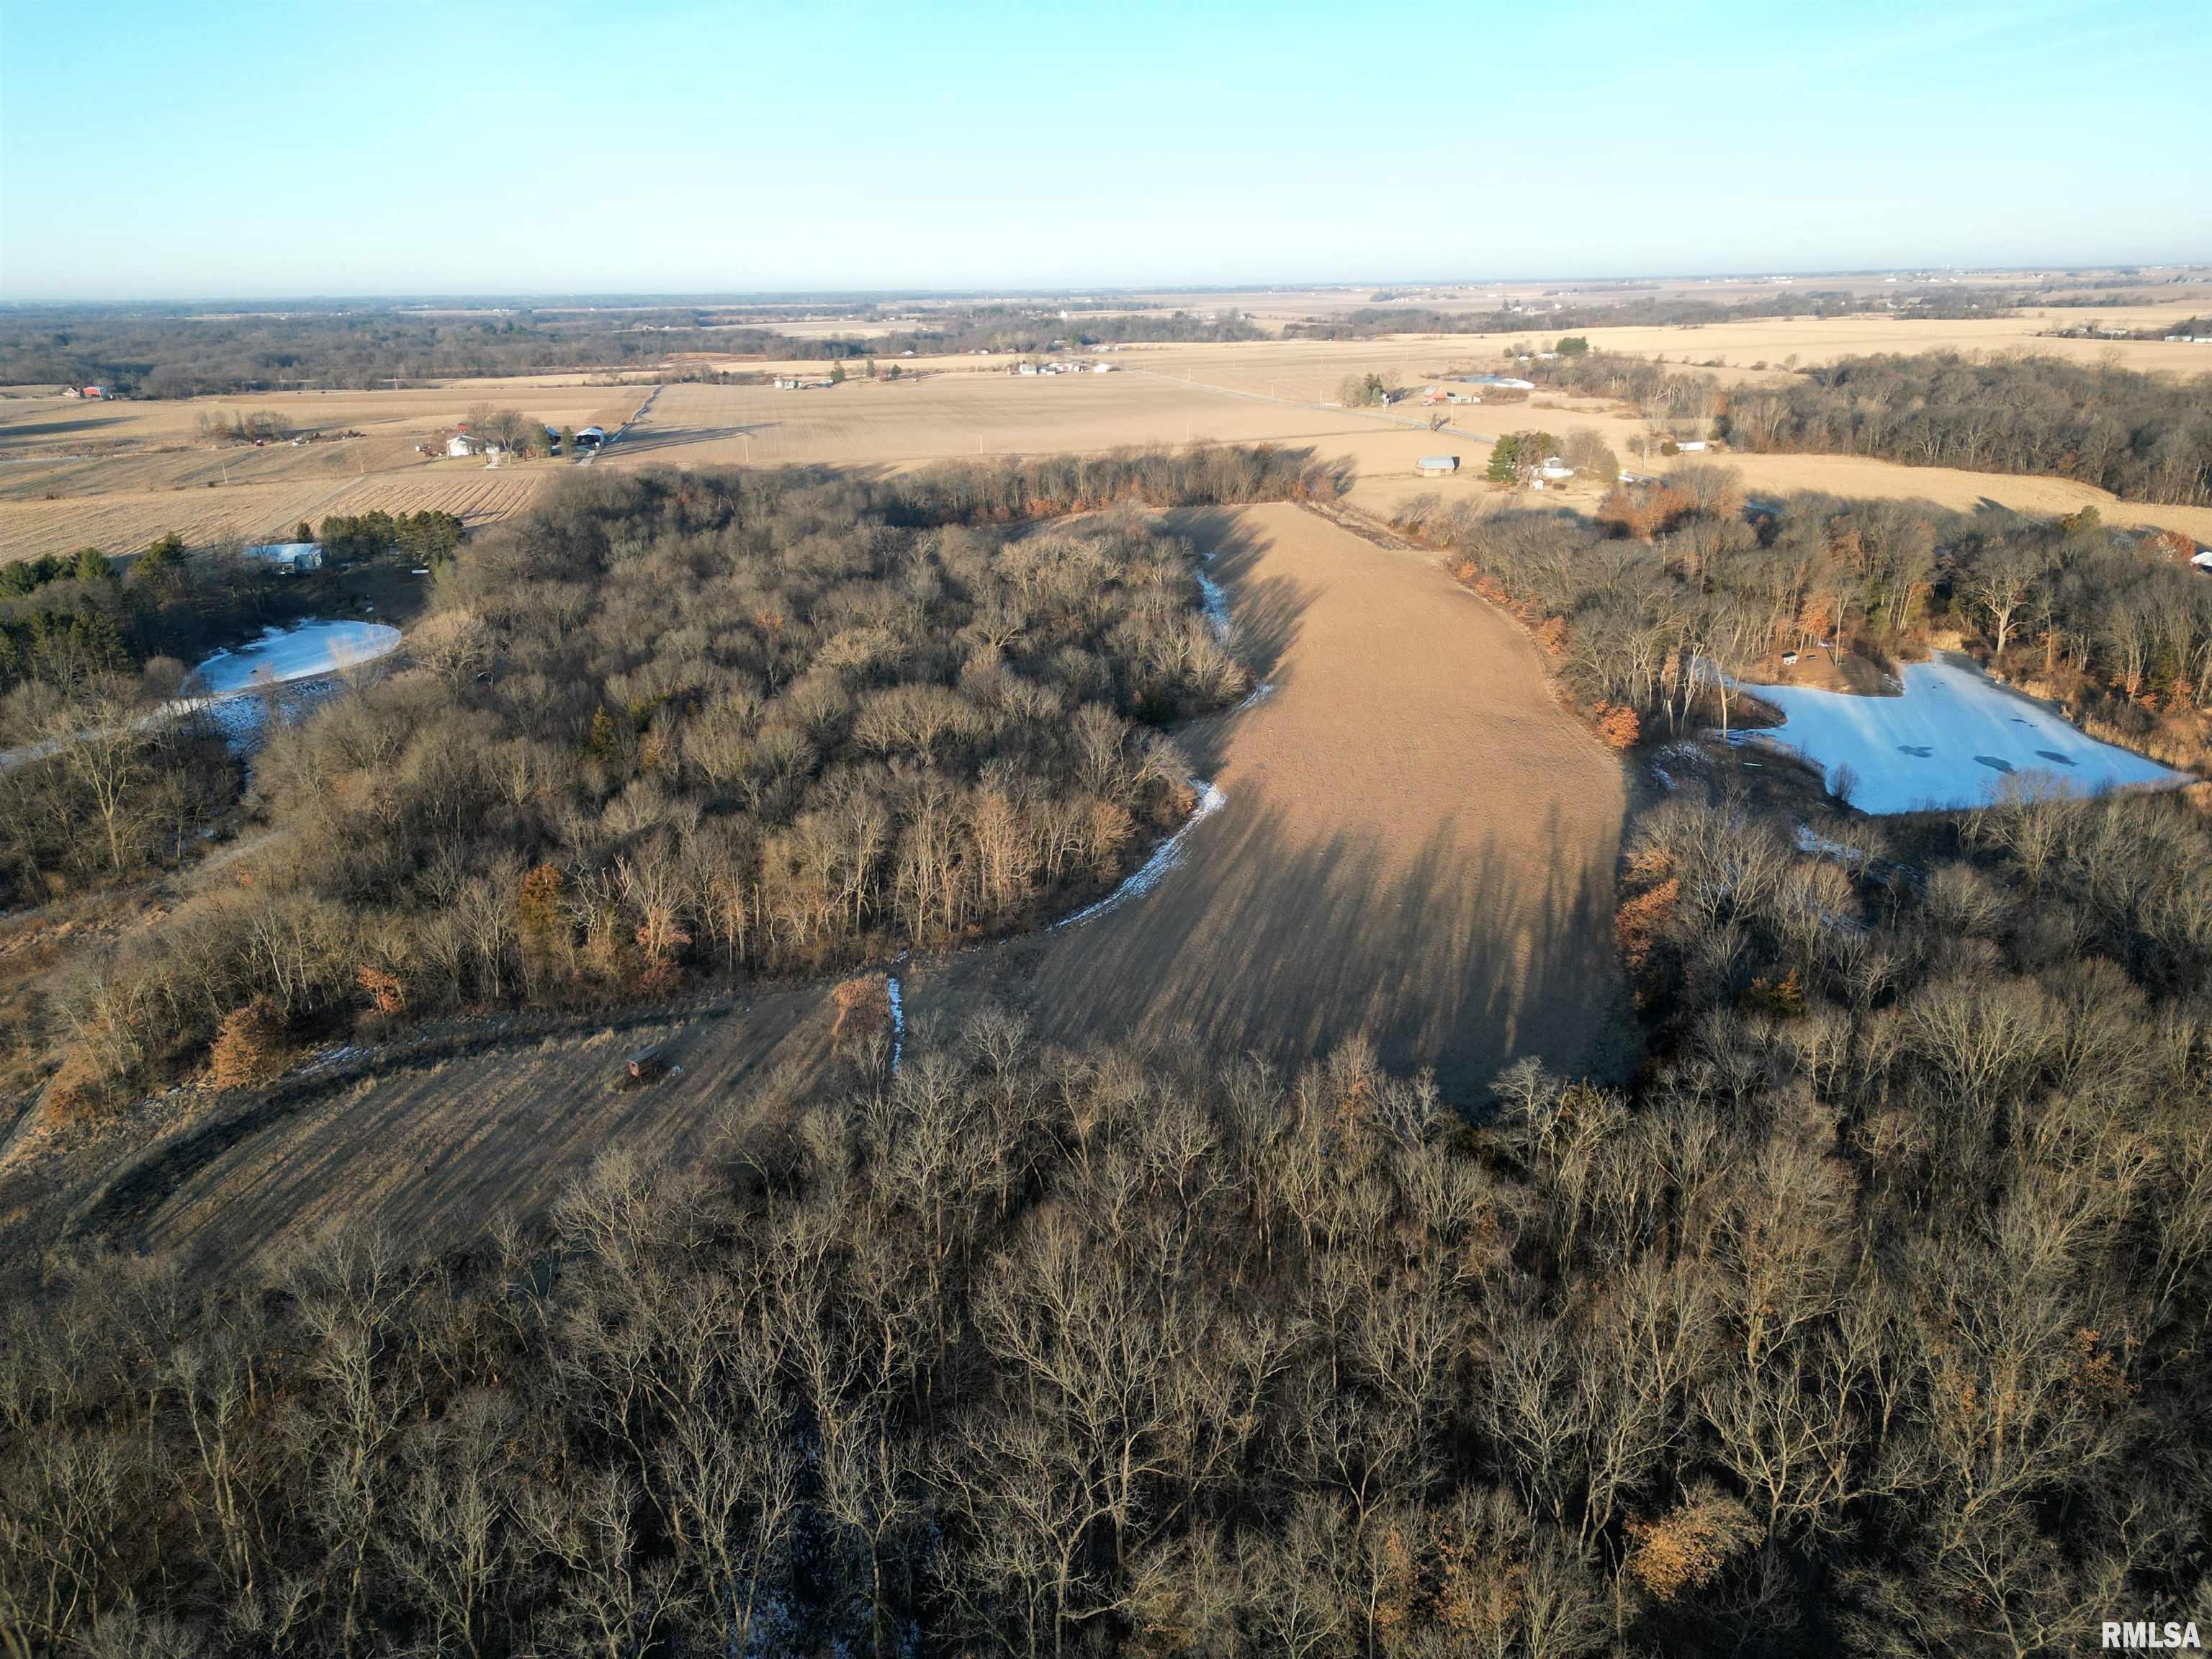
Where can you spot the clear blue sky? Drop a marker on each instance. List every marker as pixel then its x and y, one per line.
pixel 153 148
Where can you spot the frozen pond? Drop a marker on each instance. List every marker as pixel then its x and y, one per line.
pixel 299 652
pixel 282 656
pixel 1954 739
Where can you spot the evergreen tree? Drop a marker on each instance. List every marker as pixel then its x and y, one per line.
pixel 1505 460
pixel 91 566
pixel 162 566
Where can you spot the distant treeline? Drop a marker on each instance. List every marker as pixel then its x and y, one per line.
pixel 1370 321
pixel 173 356
pixel 706 723
pixel 2144 436
pixel 1001 328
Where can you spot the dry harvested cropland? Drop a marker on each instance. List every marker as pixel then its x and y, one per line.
pixel 117 475
pixel 1416 844
pixel 430 1148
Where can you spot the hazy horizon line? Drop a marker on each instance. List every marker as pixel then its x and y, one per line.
pixel 771 296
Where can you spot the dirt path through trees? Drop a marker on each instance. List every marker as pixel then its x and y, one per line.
pixel 1418 843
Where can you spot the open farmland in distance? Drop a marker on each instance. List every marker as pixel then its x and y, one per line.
pixel 117 475
pixel 954 416
pixel 1272 391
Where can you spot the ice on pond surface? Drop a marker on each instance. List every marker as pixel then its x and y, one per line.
pixel 300 652
pixel 1955 738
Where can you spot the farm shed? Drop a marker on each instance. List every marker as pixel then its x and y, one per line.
pixel 1437 466
pixel 288 556
pixel 459 445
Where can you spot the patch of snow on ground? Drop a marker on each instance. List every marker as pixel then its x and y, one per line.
pixel 1952 740
pixel 1164 858
pixel 1810 840
pixel 1259 694
pixel 898 1020
pixel 296 654
pixel 1217 606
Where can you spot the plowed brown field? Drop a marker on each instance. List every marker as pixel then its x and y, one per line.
pixel 432 1153
pixel 1416 844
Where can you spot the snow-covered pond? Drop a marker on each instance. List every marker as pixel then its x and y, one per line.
pixel 294 664
pixel 1952 740
pixel 299 652
pixel 282 656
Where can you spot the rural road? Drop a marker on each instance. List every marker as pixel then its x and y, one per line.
pixel 1416 843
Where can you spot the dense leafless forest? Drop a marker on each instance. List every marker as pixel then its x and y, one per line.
pixel 1670 582
pixel 2145 436
pixel 1872 1322
pixel 679 724
pixel 157 353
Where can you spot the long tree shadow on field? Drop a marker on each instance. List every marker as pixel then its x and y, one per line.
pixel 1265 609
pixel 1463 959
pixel 16 432
pixel 641 439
